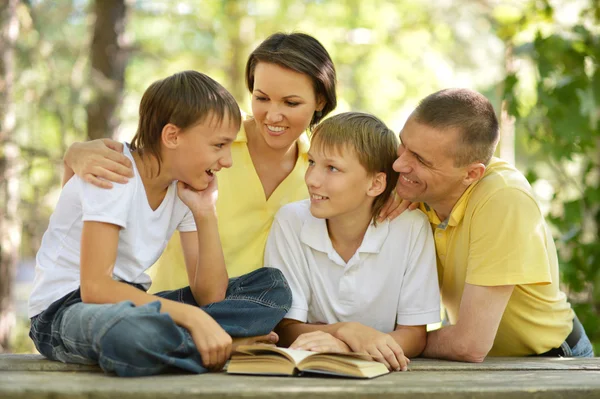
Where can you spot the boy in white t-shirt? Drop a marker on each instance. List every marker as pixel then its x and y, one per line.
pixel 357 284
pixel 89 303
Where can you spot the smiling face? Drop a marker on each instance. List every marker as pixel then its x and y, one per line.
pixel 283 104
pixel 427 168
pixel 339 186
pixel 203 150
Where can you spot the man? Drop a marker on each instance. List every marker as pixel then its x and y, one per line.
pixel 497 263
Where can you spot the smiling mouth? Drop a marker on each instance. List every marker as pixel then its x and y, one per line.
pixel 210 172
pixel 275 129
pixel 407 180
pixel 318 197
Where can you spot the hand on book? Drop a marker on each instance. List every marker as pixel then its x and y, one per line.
pixel 320 341
pixel 213 343
pixel 381 346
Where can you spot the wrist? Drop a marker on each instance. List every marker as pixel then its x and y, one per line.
pixel 205 215
pixel 68 153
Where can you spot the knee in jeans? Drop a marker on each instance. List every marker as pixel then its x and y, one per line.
pixel 280 289
pixel 141 331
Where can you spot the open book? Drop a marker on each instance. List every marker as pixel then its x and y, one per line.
pixel 270 360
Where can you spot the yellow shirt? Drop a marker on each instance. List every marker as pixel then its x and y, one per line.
pixel 245 216
pixel 496 235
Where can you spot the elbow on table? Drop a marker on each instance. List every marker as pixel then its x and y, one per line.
pixel 472 351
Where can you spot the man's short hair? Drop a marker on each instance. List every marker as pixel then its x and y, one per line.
pixel 469 112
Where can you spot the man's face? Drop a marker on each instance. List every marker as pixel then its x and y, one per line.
pixel 426 165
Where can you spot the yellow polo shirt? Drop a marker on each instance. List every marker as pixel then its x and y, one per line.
pixel 245 216
pixel 496 235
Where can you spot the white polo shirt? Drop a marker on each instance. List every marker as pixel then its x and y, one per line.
pixel 391 279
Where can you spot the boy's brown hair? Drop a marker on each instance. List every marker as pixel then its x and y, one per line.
pixel 184 99
pixel 375 145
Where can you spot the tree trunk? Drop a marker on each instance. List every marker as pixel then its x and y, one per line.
pixel 10 234
pixel 108 59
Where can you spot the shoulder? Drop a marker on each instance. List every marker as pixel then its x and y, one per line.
pixel 501 178
pixel 409 220
pixel 294 212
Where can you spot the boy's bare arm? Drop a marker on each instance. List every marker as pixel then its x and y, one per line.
pixel 99 243
pixel 412 339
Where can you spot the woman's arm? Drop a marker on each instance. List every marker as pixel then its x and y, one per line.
pixel 98 162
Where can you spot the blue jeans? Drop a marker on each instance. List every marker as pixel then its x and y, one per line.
pixel 134 340
pixel 583 348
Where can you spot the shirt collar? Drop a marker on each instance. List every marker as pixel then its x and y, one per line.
pixel 314 234
pixel 456 215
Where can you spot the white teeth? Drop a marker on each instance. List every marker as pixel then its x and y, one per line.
pixel 209 171
pixel 318 197
pixel 275 128
pixel 407 179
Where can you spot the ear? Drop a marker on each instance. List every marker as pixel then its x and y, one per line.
pixel 378 185
pixel 475 171
pixel 170 136
pixel 320 103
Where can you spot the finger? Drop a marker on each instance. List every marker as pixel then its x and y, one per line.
pixel 119 158
pixel 377 356
pixel 97 182
pixel 400 357
pixel 109 175
pixel 303 339
pixel 386 207
pixel 414 205
pixel 390 356
pixel 113 144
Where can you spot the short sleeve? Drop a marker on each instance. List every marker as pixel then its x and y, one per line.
pixel 106 205
pixel 284 252
pixel 419 302
pixel 187 224
pixel 508 242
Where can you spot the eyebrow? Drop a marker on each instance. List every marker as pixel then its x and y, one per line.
pixel 225 139
pixel 425 161
pixel 286 97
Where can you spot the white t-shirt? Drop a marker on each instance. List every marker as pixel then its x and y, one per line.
pixel 143 237
pixel 391 279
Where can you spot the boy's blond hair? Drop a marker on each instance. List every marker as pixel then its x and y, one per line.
pixel 371 140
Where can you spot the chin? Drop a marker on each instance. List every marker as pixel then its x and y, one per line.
pixel 319 214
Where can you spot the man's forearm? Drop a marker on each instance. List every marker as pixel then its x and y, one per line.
pixel 449 343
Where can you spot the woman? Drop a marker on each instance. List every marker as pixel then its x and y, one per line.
pixel 292 80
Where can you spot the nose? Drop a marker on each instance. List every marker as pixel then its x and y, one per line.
pixel 311 178
pixel 402 164
pixel 274 114
pixel 226 160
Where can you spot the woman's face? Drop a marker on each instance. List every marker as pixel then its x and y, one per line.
pixel 283 104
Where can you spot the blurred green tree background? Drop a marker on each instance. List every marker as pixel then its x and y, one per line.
pixel 75 69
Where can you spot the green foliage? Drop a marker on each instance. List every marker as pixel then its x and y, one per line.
pixel 561 129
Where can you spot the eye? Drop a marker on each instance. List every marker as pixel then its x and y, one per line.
pixel 220 145
pixel 261 98
pixel 311 162
pixel 292 104
pixel 333 168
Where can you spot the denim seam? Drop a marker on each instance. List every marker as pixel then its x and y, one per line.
pixel 254 300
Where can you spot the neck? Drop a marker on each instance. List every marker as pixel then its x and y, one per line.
pixel 443 208
pixel 257 145
pixel 155 183
pixel 348 231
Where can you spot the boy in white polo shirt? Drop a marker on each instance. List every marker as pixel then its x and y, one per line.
pixel 357 284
